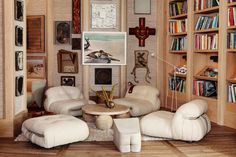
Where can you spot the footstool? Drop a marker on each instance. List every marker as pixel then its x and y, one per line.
pixel 127 135
pixel 55 130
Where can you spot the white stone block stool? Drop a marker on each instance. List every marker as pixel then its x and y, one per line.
pixel 55 130
pixel 127 136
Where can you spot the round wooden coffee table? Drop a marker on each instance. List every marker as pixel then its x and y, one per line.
pixel 102 115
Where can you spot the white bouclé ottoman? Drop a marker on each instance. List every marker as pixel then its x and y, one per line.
pixel 55 130
pixel 127 137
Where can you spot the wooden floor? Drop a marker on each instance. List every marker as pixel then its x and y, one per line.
pixel 220 142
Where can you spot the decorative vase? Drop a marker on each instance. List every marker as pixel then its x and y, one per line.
pixel 109 104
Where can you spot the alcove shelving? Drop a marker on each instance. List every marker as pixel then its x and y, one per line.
pixel 177 51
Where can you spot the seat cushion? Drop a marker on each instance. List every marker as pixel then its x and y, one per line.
pixel 54 130
pixel 69 107
pixel 157 124
pixel 138 107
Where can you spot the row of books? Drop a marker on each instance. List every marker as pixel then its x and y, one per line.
pixel 230 1
pixel 232 93
pixel 177 84
pixel 207 22
pixel 177 26
pixel 206 41
pixel 231 40
pixel 204 88
pixel 178 8
pixel 178 43
pixel 231 16
pixel 204 4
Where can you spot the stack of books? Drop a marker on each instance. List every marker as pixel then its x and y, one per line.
pixel 178 8
pixel 232 93
pixel 179 44
pixel 177 26
pixel 207 22
pixel 231 40
pixel 206 41
pixel 231 16
pixel 177 84
pixel 204 88
pixel 204 4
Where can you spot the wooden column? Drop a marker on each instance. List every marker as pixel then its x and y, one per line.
pixel 222 84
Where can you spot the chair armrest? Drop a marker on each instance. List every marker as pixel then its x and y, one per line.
pixel 193 109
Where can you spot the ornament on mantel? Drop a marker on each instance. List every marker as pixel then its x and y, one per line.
pixel 141 61
pixel 142 32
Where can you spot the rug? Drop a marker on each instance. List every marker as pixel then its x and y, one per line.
pixel 98 135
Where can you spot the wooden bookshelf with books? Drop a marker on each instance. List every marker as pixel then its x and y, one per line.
pixel 177 49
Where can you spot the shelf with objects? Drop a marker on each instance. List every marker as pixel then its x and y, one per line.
pixel 176 57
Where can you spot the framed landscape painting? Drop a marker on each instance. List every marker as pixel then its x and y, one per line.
pixel 104 48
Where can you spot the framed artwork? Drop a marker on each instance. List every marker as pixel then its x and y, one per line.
pixel 19 36
pixel 104 16
pixel 67 80
pixel 142 7
pixel 19 85
pixel 36 34
pixel 76 43
pixel 104 48
pixel 103 76
pixel 36 67
pixel 19 10
pixel 76 16
pixel 19 60
pixel 67 62
pixel 63 32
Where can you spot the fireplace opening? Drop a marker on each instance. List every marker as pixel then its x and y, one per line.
pixel 103 76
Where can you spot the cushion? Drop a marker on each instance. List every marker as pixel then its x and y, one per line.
pixel 157 124
pixel 55 130
pixel 138 107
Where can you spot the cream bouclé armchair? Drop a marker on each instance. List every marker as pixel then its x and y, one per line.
pixel 141 99
pixel 189 123
pixel 65 100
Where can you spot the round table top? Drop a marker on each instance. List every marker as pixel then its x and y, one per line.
pixel 101 109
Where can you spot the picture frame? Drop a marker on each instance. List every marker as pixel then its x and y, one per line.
pixel 142 7
pixel 76 16
pixel 67 61
pixel 68 81
pixel 62 32
pixel 18 60
pixel 19 10
pixel 36 34
pixel 141 58
pixel 76 43
pixel 19 86
pixel 103 15
pixel 104 48
pixel 36 67
pixel 18 36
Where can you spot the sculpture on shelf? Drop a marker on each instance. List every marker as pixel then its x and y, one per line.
pixel 142 32
pixel 141 61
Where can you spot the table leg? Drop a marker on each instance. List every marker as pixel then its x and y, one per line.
pixel 104 122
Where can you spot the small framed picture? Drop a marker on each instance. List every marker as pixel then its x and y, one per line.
pixel 19 36
pixel 19 85
pixel 76 43
pixel 19 10
pixel 63 32
pixel 36 67
pixel 142 7
pixel 19 60
pixel 68 80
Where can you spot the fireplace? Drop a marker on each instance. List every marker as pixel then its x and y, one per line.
pixel 103 76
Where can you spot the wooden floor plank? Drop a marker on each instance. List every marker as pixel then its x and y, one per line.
pixel 220 142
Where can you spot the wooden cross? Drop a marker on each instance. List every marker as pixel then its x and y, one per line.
pixel 142 32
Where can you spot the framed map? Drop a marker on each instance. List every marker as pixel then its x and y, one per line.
pixel 104 16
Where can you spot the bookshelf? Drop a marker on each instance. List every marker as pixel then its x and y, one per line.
pixel 230 107
pixel 177 24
